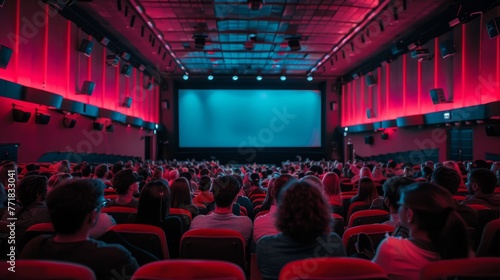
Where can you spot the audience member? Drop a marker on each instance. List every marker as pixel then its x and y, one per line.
pixel 266 224
pixel 481 184
pixel 74 208
pixel 56 179
pixel 102 173
pixel 31 209
pixel 180 194
pixel 367 191
pixel 225 190
pixel 126 184
pixel 377 174
pixel 204 196
pixel 303 217
pixel 450 179
pixel 331 188
pixel 392 192
pixel 436 232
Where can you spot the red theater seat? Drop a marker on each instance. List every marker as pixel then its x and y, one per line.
pixel 473 268
pixel 189 269
pixel 376 232
pixel 38 269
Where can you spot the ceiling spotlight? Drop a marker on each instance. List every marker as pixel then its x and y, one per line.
pixel 309 78
pixel 346 129
pixel 235 78
pixel 255 5
pixel 185 77
pixel 259 78
pixel 210 77
pixel 283 78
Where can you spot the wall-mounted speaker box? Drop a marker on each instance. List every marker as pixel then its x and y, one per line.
pixel 98 126
pixel 370 113
pixel 438 96
pixel 384 136
pixel 369 140
pixel 110 128
pixel 447 48
pixel 333 106
pixel 20 115
pixel 88 87
pixel 126 70
pixel 492 130
pixel 493 27
pixel 86 47
pixel 370 80
pixel 5 54
pixel 42 118
pixel 127 102
pixel 69 123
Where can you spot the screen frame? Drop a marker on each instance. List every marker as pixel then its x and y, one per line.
pixel 242 84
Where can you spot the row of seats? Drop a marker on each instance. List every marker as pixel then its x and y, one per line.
pixel 319 268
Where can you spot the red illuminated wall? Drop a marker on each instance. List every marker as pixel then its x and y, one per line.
pixel 45 56
pixel 402 87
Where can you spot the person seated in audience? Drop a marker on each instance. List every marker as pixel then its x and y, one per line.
pixel 377 174
pixel 225 190
pixel 426 174
pixel 102 173
pixel 86 171
pixel 453 165
pixel 304 219
pixel 180 194
pixel 408 172
pixel 64 167
pixel 495 168
pixel 157 173
pixel 204 196
pixel 450 179
pixel 363 172
pixel 126 184
pixel 57 179
pixel 255 188
pixel 392 191
pixel 31 209
pixel 172 175
pixel 481 184
pixel 367 191
pixel 392 169
pixel 117 167
pixel 266 224
pixel 437 232
pixel 74 208
pixel 331 189
pixel 154 203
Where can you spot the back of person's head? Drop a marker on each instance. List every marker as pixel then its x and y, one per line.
pixel 205 183
pixel 484 179
pixel 303 212
pixel 117 167
pixel 481 164
pixel 173 174
pixel 331 183
pixel 101 171
pixel 313 181
pixel 365 172
pixel 123 179
pixel 31 189
pixel 367 191
pixel 225 189
pixel 64 166
pixel 280 183
pixel 86 170
pixel 180 193
pixel 377 173
pixel 433 211
pixel 392 164
pixel 186 175
pixel 204 172
pixel 447 178
pixel 70 203
pixel 154 203
pixel 427 172
pixel 254 179
pixel 158 173
pixel 392 189
pixel 57 179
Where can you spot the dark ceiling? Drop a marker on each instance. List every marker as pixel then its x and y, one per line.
pixel 334 37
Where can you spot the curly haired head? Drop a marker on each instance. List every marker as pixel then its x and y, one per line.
pixel 303 212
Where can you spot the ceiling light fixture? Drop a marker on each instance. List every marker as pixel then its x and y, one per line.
pixel 255 5
pixel 258 78
pixel 185 77
pixel 210 77
pixel 235 78
pixel 310 78
pixel 283 78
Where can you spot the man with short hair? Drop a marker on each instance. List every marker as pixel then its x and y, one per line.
pixel 450 179
pixel 481 184
pixel 74 208
pixel 126 184
pixel 225 190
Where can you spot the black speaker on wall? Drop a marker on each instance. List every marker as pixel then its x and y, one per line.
pixel 88 87
pixel 370 80
pixel 384 136
pixel 86 47
pixel 20 115
pixel 369 113
pixel 492 130
pixel 98 126
pixel 493 27
pixel 369 140
pixel 438 96
pixel 447 48
pixel 42 118
pixel 5 54
pixel 127 102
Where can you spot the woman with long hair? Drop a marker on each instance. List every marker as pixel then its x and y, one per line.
pixel 180 192
pixel 331 187
pixel 436 232
pixel 367 191
pixel 154 203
